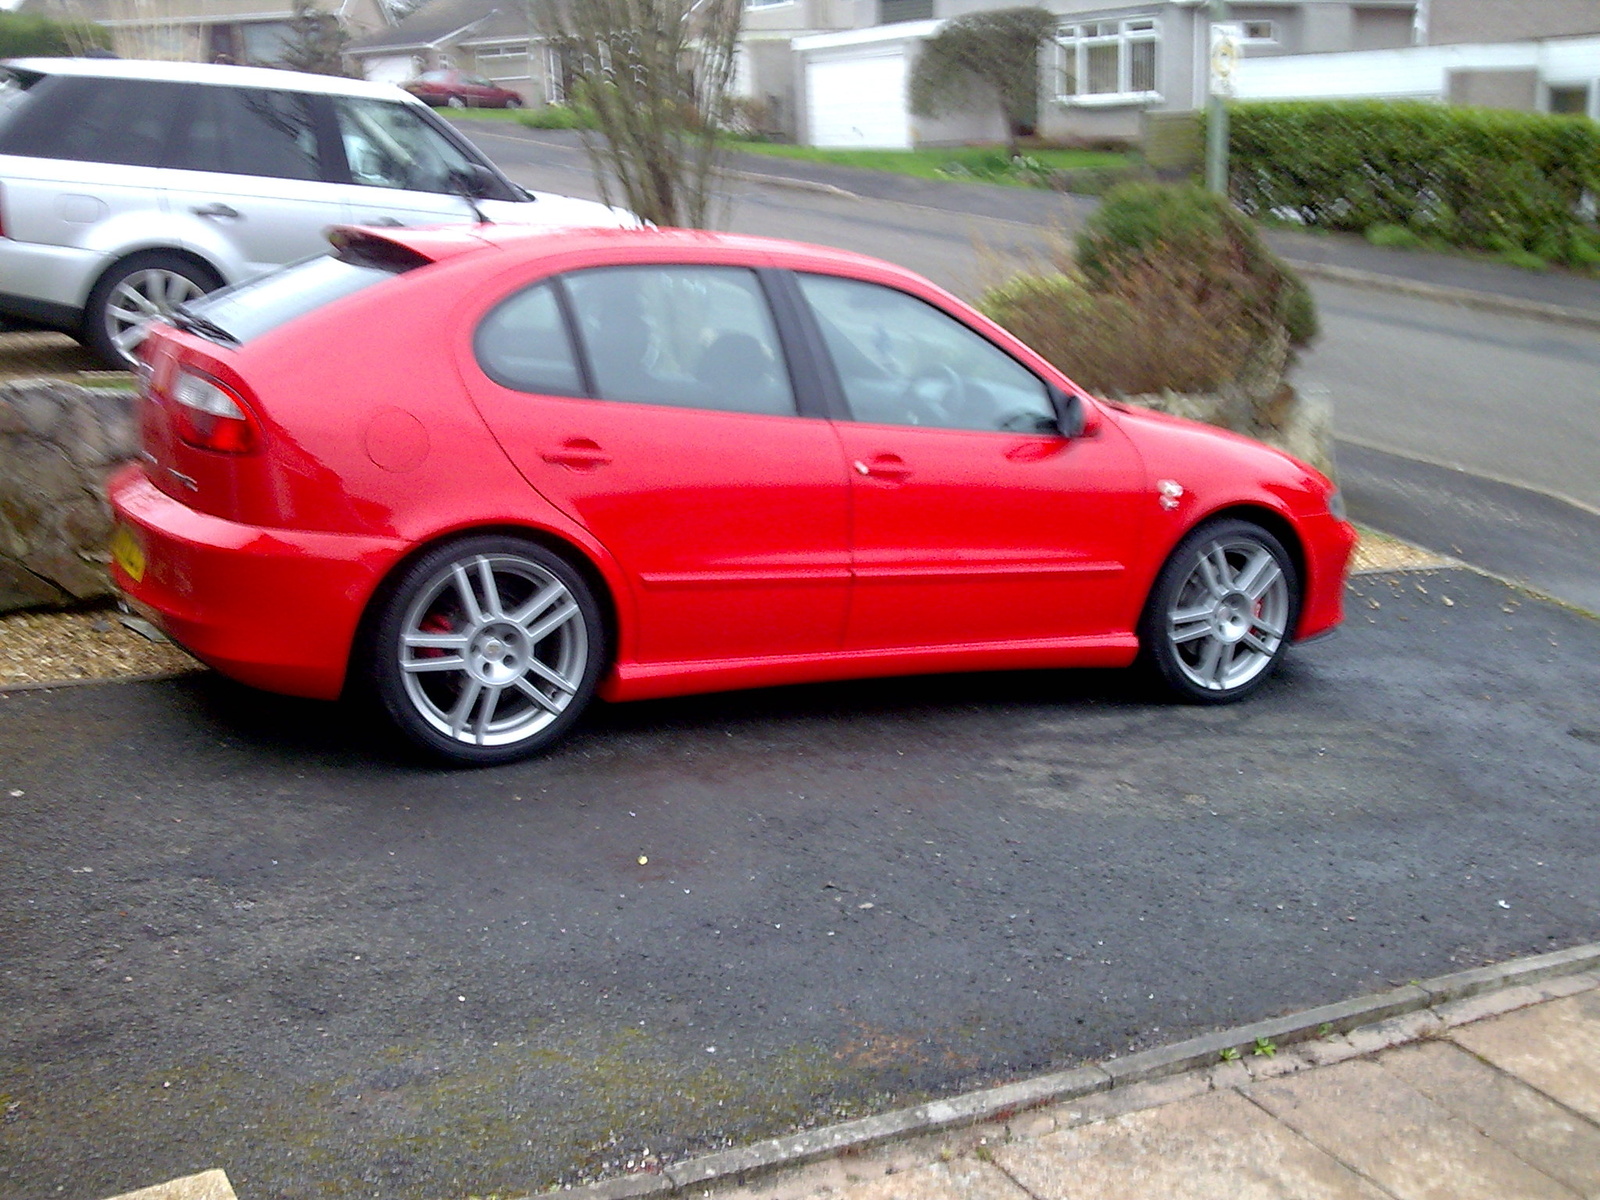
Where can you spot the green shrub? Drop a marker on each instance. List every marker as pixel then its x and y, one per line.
pixel 1138 223
pixel 1393 236
pixel 556 116
pixel 24 35
pixel 1483 179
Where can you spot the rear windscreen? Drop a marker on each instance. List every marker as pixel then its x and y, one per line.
pixel 248 310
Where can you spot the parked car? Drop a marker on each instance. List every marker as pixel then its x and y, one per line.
pixel 457 89
pixel 490 473
pixel 127 188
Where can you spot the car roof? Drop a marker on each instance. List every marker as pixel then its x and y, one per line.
pixel 214 74
pixel 531 242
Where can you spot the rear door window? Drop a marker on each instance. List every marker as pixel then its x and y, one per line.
pixel 251 131
pixel 683 336
pixel 123 121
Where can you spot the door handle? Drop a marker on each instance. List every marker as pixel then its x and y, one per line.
pixel 579 454
pixel 226 211
pixel 890 468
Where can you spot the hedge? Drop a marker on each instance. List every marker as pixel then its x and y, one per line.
pixel 26 35
pixel 1485 179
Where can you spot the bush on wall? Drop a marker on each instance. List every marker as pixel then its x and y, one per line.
pixel 1172 301
pixel 1485 179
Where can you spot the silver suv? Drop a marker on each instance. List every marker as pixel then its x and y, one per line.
pixel 127 188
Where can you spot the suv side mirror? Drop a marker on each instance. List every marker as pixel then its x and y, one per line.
pixel 475 180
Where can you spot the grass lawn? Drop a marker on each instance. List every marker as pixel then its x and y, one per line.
pixel 983 162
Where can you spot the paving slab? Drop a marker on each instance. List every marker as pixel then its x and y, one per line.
pixel 1216 1147
pixel 207 1185
pixel 1553 1047
pixel 963 1179
pixel 1412 1147
pixel 1528 1123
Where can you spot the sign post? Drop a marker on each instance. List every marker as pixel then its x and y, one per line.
pixel 1225 39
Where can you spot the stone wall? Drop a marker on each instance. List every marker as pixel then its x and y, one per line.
pixel 58 442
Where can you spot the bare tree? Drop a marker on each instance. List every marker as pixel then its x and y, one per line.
pixel 657 76
pixel 315 41
pixel 996 51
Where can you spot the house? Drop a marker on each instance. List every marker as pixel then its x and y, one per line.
pixel 1110 64
pixel 490 38
pixel 1535 57
pixel 239 31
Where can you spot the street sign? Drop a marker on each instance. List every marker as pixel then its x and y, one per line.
pixel 1225 39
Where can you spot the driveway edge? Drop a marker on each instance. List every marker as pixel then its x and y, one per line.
pixel 1466 297
pixel 974 1108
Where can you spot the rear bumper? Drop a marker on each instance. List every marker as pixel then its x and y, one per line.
pixel 1328 546
pixel 274 608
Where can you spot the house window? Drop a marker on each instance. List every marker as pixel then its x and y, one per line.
pixel 1107 60
pixel 557 75
pixel 1570 101
pixel 1260 32
pixel 509 61
pixel 766 3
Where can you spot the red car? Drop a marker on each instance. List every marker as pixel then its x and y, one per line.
pixel 456 89
pixel 488 473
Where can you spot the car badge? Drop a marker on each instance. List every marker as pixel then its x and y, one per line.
pixel 1171 492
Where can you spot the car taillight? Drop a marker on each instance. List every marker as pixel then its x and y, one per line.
pixel 211 417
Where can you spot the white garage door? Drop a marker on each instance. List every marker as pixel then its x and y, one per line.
pixel 389 68
pixel 859 101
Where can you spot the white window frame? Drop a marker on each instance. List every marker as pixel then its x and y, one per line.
pixel 1077 40
pixel 554 92
pixel 517 53
pixel 750 4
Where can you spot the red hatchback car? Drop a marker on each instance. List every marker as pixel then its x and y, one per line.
pixel 490 472
pixel 456 89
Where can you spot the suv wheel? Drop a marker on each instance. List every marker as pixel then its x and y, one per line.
pixel 140 289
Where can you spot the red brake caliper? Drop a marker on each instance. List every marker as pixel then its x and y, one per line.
pixel 433 623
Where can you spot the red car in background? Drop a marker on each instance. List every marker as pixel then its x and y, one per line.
pixel 456 89
pixel 486 473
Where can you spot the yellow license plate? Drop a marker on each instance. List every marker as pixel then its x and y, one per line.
pixel 127 553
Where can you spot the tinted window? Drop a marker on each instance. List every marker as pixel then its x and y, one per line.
pixel 250 131
pixel 391 145
pixel 902 361
pixel 523 344
pixel 122 121
pixel 690 337
pixel 248 310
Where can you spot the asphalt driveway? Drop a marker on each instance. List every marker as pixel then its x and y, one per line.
pixel 240 932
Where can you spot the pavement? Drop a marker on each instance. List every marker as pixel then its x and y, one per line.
pixel 1489 1097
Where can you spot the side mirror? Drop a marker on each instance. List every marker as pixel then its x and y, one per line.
pixel 1073 417
pixel 474 180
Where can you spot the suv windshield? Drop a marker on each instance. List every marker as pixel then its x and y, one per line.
pixel 247 310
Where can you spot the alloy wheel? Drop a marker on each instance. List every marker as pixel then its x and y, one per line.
pixel 492 650
pixel 1227 621
pixel 144 296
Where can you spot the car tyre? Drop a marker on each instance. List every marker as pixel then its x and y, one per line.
pixel 487 650
pixel 1221 614
pixel 142 288
pixel 456 102
pixel 513 103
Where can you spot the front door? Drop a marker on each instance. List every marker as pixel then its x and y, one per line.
pixel 669 429
pixel 975 520
pixel 402 170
